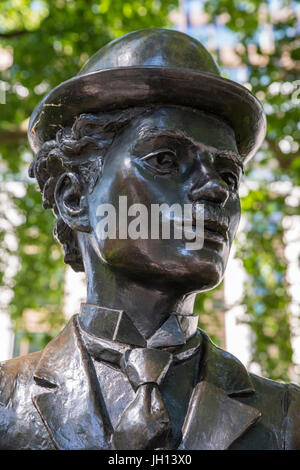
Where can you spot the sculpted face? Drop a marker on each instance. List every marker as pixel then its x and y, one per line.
pixel 172 155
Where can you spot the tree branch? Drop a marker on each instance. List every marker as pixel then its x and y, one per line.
pixel 12 34
pixel 8 137
pixel 284 159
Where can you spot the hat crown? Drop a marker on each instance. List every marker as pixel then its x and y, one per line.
pixel 153 48
pixel 151 66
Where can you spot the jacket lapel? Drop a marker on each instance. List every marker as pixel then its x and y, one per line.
pixel 72 408
pixel 216 418
pixel 70 403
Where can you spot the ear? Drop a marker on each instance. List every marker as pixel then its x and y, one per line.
pixel 71 203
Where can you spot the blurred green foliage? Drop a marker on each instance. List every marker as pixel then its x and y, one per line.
pixel 261 245
pixel 50 41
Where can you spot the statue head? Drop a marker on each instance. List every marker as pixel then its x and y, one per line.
pixel 148 118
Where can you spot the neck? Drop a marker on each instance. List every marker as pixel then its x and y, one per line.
pixel 147 307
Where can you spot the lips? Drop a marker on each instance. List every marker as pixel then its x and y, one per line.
pixel 216 223
pixel 216 227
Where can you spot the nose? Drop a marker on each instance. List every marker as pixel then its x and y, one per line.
pixel 209 187
pixel 208 184
pixel 214 190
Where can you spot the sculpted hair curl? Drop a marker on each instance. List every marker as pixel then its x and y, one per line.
pixel 80 149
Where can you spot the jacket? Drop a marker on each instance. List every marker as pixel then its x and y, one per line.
pixel 51 400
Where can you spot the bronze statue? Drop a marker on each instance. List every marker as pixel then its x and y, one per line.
pixel 148 117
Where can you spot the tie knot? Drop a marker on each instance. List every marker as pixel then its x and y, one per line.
pixel 145 365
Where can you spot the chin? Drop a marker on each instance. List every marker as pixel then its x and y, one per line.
pixel 170 267
pixel 202 274
pixel 203 269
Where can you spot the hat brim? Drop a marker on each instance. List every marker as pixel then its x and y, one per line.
pixel 124 87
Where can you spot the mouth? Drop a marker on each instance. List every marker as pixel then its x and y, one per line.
pixel 216 225
pixel 215 231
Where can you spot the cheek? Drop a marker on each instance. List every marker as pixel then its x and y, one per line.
pixel 234 212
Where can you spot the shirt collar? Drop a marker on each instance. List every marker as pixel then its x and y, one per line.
pixel 116 326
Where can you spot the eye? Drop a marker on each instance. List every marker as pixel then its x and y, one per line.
pixel 231 179
pixel 163 161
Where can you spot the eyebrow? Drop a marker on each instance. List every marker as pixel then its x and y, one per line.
pixel 148 133
pixel 232 156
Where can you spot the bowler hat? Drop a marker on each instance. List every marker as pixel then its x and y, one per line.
pixel 151 66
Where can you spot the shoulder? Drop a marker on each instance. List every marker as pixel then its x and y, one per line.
pixel 293 417
pixel 278 403
pixel 265 385
pixel 289 392
pixel 17 370
pixel 280 407
pixel 20 424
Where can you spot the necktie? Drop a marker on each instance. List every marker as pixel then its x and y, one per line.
pixel 145 423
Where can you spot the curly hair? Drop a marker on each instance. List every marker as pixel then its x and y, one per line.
pixel 81 149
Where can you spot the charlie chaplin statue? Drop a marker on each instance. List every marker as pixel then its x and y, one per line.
pixel 148 117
